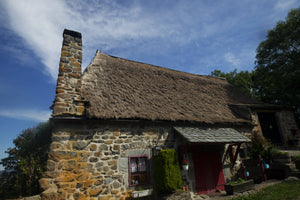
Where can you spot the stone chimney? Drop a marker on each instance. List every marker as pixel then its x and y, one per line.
pixel 68 101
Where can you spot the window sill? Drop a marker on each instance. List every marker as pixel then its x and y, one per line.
pixel 142 193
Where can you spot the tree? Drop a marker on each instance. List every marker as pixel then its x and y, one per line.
pixel 26 162
pixel 277 72
pixel 242 79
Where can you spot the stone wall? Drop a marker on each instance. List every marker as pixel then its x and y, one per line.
pixel 288 127
pixel 68 90
pixel 88 161
pixel 286 124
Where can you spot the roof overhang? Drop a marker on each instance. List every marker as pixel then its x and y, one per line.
pixel 262 106
pixel 211 135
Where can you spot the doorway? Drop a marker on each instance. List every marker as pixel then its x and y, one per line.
pixel 269 127
pixel 208 172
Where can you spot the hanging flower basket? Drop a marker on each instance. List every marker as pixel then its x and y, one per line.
pixel 185 165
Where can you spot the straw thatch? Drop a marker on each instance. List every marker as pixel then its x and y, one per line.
pixel 122 89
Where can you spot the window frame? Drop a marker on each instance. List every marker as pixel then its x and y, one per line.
pixel 130 175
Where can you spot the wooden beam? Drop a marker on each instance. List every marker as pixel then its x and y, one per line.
pixel 234 154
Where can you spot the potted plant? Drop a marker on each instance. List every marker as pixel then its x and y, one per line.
pixel 238 186
pixel 185 165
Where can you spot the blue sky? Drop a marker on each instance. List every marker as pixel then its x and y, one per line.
pixel 193 36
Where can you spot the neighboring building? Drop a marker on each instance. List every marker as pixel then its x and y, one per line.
pixel 108 122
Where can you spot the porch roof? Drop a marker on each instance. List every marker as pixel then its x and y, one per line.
pixel 211 135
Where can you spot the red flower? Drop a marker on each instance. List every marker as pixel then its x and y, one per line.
pixel 185 162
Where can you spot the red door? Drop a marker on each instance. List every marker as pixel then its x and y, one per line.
pixel 208 172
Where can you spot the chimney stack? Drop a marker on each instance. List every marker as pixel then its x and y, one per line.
pixel 68 101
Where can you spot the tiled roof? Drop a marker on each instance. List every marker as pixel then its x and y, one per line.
pixel 211 135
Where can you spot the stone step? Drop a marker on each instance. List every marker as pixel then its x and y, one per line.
pixel 295 174
pixel 292 167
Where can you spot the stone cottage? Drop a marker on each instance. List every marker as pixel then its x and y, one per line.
pixel 109 121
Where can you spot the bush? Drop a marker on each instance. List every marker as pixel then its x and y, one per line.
pixel 26 162
pixel 260 146
pixel 167 172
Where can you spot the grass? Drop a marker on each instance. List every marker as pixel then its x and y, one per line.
pixel 282 191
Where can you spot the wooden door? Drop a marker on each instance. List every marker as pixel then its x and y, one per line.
pixel 208 172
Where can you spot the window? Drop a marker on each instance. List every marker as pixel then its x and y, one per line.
pixel 138 170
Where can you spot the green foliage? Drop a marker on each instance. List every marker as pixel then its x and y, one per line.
pixel 277 73
pixel 242 79
pixel 259 146
pixel 26 162
pixel 167 172
pixel 282 191
pixel 297 158
pixel 279 154
pixel 276 77
pixel 297 162
pixel 240 180
pixel 255 150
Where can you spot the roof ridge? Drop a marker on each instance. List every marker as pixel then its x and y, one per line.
pixel 99 52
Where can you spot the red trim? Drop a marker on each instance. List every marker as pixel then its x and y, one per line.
pixel 234 155
pixel 244 171
pixel 237 152
pixel 263 170
pixel 138 166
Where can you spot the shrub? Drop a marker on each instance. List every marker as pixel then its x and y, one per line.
pixel 297 158
pixel 167 172
pixel 260 146
pixel 297 161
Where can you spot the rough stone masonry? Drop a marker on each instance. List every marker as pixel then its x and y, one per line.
pixel 92 163
pixel 68 99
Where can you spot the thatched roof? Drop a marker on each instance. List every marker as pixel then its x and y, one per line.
pixel 117 88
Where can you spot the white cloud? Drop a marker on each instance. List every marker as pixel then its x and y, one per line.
pixel 136 27
pixel 285 4
pixel 231 58
pixel 40 24
pixel 36 22
pixel 27 114
pixel 107 26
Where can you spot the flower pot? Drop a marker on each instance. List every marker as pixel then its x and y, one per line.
pixel 185 167
pixel 239 187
